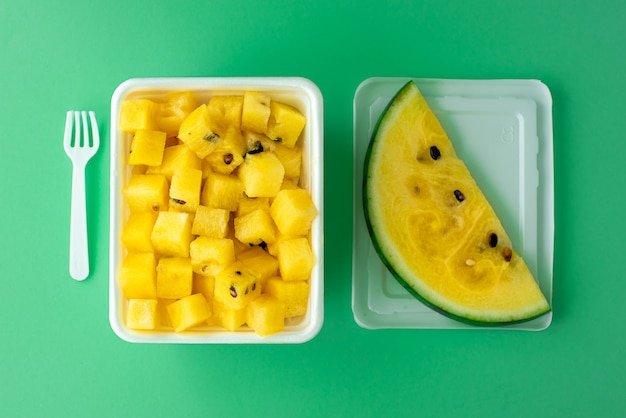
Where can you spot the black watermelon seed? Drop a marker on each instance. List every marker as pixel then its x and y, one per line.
pixel 258 147
pixel 233 291
pixel 435 154
pixel 493 240
pixel 459 195
pixel 507 254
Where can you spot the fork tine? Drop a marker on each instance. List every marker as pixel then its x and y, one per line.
pixel 67 139
pixel 77 130
pixel 85 142
pixel 94 129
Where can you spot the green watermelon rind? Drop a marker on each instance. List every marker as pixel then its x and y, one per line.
pixel 376 241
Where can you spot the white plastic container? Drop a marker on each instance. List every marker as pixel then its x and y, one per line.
pixel 298 92
pixel 502 129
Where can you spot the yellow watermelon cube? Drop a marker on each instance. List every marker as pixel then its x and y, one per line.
pixel 289 184
pixel 196 132
pixel 291 159
pixel 258 142
pixel 255 111
pixel 273 247
pixel 222 191
pixel 171 234
pixel 137 230
pixel 163 315
pixel 250 204
pixel 255 228
pixel 209 255
pixel 260 263
pixel 261 174
pixel 174 277
pixel 285 124
pixel 294 294
pixel 239 246
pixel 189 312
pixel 293 211
pixel 147 192
pixel 173 110
pixel 137 276
pixel 228 317
pixel 295 259
pixel 211 222
pixel 138 114
pixel 147 148
pixel 236 286
pixel 225 113
pixel 185 189
pixel 174 157
pixel 205 285
pixel 229 154
pixel 142 314
pixel 266 315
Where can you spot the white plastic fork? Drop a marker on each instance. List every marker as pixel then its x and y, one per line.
pixel 80 149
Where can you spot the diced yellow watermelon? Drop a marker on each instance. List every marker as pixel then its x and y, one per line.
pixel 222 191
pixel 142 314
pixel 285 124
pixel 294 294
pixel 291 159
pixel 146 192
pixel 209 255
pixel 189 311
pixel 225 113
pixel 236 286
pixel 295 259
pixel 137 230
pixel 249 204
pixel 227 317
pixel 196 132
pixel 211 222
pixel 173 110
pixel 137 276
pixel 255 112
pixel 293 211
pixel 174 277
pixel 171 234
pixel 138 114
pixel 255 228
pixel 262 174
pixel 260 263
pixel 176 156
pixel 147 148
pixel 185 189
pixel 229 153
pixel 266 315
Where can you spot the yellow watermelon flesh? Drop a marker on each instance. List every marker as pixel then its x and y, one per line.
pixel 433 227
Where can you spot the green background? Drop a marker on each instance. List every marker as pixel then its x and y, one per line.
pixel 58 354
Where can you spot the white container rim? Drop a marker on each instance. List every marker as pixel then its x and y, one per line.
pixel 282 87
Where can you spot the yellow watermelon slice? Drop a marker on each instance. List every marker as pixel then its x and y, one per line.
pixel 433 227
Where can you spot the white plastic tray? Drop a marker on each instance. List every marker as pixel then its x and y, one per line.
pixel 296 91
pixel 502 129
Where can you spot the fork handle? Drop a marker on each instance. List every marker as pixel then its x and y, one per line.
pixel 79 249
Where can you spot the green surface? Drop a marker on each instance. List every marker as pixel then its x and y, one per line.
pixel 59 356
